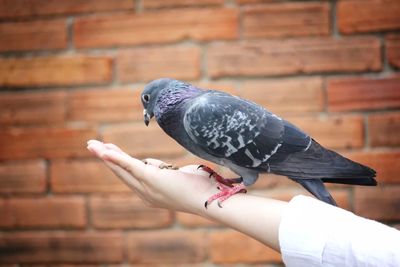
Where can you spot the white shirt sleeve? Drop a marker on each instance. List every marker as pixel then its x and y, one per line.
pixel 313 233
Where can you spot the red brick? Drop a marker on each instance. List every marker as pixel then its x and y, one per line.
pixel 142 141
pixel 378 203
pixel 126 212
pixel 368 15
pixel 149 4
pixel 51 212
pixel 23 177
pixel 385 163
pixel 54 71
pixel 29 8
pixel 286 19
pixel 44 142
pixel 67 177
pixel 342 197
pixel 105 105
pixel 333 131
pixel 290 56
pixel 174 62
pixel 384 129
pixel 233 247
pixel 363 93
pixel 393 49
pixel 286 95
pixel 21 108
pixel 61 247
pixel 244 2
pixel 227 87
pixel 37 35
pixel 156 27
pixel 167 247
pixel 191 220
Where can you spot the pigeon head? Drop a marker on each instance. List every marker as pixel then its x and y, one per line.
pixel 151 93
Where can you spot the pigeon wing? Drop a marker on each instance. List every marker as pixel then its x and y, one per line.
pixel 241 131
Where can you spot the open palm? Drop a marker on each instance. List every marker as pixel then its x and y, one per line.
pixel 184 189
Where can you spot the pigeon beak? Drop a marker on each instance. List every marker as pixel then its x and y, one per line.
pixel 146 117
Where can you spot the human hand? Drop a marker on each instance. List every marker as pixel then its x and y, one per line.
pixel 184 189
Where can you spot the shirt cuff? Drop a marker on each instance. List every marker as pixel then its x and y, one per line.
pixel 303 231
pixel 313 233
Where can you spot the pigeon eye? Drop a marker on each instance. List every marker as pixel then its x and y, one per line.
pixel 146 98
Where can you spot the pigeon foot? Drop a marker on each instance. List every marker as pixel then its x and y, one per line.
pixel 219 178
pixel 225 193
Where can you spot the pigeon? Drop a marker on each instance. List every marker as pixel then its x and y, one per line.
pixel 246 138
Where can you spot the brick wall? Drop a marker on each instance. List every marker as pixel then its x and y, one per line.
pixel 73 70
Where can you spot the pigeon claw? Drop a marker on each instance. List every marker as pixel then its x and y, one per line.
pixel 201 166
pixel 225 193
pixel 207 169
pixel 219 178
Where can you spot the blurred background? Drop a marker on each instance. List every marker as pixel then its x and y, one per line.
pixel 73 70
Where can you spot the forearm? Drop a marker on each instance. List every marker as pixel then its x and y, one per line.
pixel 254 216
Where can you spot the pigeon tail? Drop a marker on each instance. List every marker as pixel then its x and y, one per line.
pixel 324 165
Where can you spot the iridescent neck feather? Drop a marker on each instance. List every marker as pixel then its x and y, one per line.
pixel 172 96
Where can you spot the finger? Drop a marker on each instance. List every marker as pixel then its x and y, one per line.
pixel 99 149
pixel 113 147
pixel 92 141
pixel 137 186
pixel 96 147
pixel 126 177
pixel 133 166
